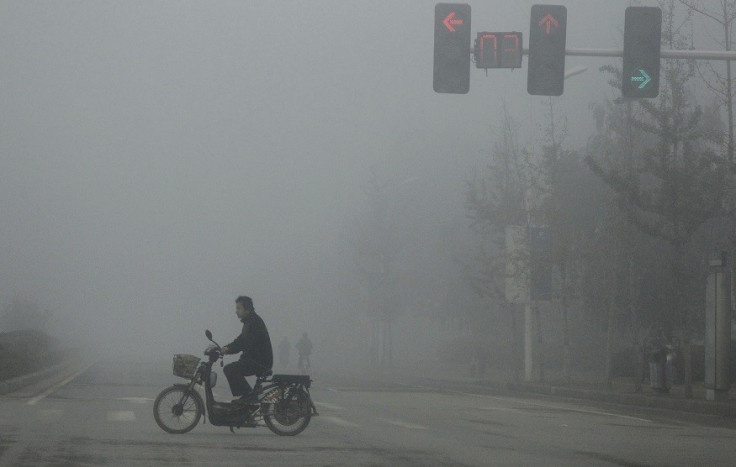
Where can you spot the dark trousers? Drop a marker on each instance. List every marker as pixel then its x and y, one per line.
pixel 236 373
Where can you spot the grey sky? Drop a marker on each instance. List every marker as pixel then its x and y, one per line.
pixel 159 158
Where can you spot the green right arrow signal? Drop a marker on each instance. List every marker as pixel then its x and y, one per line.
pixel 643 79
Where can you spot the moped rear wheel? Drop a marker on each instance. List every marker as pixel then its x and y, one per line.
pixel 288 418
pixel 177 409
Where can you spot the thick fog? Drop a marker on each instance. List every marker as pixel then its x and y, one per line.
pixel 158 159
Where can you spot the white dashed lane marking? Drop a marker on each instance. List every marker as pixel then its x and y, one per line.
pixel 403 424
pixel 328 406
pixel 339 421
pixel 121 416
pixel 136 400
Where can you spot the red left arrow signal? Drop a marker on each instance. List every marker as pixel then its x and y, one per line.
pixel 548 21
pixel 450 22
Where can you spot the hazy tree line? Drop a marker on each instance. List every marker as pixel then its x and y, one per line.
pixel 635 215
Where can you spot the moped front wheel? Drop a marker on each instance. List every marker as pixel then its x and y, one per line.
pixel 177 409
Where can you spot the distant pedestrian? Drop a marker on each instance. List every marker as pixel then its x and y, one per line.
pixel 284 352
pixel 304 346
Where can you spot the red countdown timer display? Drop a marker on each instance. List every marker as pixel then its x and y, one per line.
pixel 498 50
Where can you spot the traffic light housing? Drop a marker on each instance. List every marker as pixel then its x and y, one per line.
pixel 642 46
pixel 547 38
pixel 452 48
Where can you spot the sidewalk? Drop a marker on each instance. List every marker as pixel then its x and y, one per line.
pixel 621 392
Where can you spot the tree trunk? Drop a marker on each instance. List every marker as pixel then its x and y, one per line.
pixel 610 336
pixel 374 339
pixel 639 358
pixel 539 352
pixel 687 360
pixel 516 347
pixel 566 371
pixel 683 321
pixel 389 345
pixel 638 345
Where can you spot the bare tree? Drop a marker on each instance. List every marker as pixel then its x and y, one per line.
pixel 495 202
pixel 378 240
pixel 724 15
pixel 681 183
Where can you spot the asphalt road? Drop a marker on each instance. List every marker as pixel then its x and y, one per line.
pixel 103 416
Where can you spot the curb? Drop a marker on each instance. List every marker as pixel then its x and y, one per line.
pixel 703 407
pixel 650 401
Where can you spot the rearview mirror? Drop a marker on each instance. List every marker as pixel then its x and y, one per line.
pixel 208 334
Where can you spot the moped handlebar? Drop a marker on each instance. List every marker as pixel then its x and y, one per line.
pixel 217 348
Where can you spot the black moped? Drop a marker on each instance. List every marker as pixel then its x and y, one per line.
pixel 283 402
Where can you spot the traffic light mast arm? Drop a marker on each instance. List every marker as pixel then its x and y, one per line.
pixel 683 54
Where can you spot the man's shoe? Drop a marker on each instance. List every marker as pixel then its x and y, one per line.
pixel 240 400
pixel 247 399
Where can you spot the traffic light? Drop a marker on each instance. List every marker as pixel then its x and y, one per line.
pixel 498 50
pixel 547 36
pixel 642 44
pixel 452 48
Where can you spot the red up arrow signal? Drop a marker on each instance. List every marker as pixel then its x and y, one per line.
pixel 548 21
pixel 449 22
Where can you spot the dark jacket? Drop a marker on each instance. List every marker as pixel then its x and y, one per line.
pixel 254 342
pixel 304 346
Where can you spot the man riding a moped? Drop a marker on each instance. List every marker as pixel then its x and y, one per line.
pixel 282 402
pixel 257 353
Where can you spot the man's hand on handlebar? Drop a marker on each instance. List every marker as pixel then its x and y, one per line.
pixel 225 350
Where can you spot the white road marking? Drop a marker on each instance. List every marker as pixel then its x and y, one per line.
pixel 559 407
pixel 56 387
pixel 499 409
pixel 329 406
pixel 339 421
pixel 607 414
pixel 402 424
pixel 121 416
pixel 136 400
pixel 343 389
